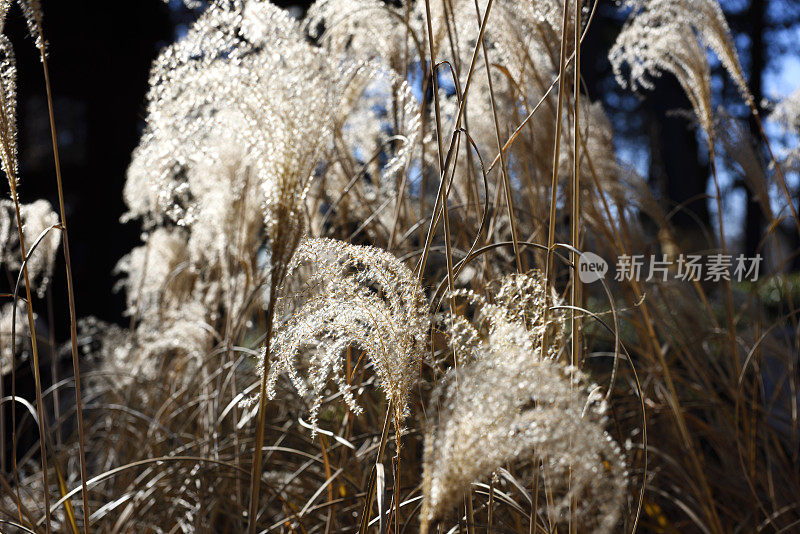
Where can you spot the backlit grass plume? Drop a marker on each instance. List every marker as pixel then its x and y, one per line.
pixel 8 104
pixel 221 172
pixel 351 297
pixel 510 403
pixel 37 219
pixel 787 115
pixel 672 36
pixel 13 332
pixel 243 99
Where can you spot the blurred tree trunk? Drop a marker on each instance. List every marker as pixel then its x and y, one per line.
pixel 756 25
pixel 675 169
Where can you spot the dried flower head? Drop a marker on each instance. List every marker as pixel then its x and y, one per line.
pixel 509 402
pixel 32 11
pixel 672 36
pixel 352 297
pixel 8 108
pixel 787 115
pixel 153 272
pixel 37 217
pixel 8 354
pixel 238 112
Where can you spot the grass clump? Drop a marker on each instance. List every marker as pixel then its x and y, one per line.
pixel 370 219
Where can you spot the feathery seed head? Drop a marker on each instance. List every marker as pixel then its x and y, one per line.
pixel 37 217
pixel 787 115
pixel 352 297
pixel 8 358
pixel 243 101
pixel 8 110
pixel 512 403
pixel 672 36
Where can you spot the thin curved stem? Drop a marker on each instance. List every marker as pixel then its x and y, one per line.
pixel 73 323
